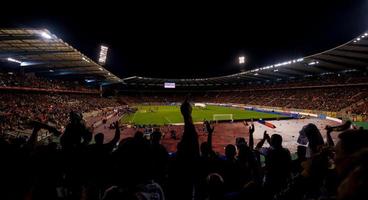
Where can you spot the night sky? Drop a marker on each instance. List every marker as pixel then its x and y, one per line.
pixel 189 41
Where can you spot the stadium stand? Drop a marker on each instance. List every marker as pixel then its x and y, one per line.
pixel 321 93
pixel 27 82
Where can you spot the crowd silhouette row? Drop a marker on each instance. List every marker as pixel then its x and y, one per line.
pixel 79 165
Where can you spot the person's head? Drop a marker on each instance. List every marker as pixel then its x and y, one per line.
pixel 156 137
pixel 138 135
pixel 350 142
pixel 99 138
pixel 310 135
pixel 230 151
pixel 215 184
pixel 240 141
pixel 276 141
pixel 75 117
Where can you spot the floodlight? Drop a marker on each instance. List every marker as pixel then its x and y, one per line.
pixel 103 54
pixel 46 35
pixel 241 60
pixel 313 63
pixel 85 59
pixel 14 60
pixel 100 69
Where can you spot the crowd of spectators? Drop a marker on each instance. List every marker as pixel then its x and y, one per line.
pixel 17 110
pixel 330 92
pixel 80 167
pixel 322 98
pixel 32 81
pixel 360 108
pixel 322 80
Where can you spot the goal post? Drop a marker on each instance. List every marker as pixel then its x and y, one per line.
pixel 223 117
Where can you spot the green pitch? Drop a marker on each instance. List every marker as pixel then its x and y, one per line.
pixel 171 114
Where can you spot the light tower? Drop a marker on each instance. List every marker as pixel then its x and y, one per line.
pixel 241 61
pixel 103 55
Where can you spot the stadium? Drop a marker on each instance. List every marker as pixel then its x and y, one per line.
pixel 73 126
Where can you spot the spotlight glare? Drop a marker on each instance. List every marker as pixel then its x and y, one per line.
pixel 85 59
pixel 241 60
pixel 46 35
pixel 14 60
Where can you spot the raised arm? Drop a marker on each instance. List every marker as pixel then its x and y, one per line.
pixel 330 129
pixel 116 136
pixel 189 144
pixel 330 142
pixel 33 138
pixel 265 137
pixel 251 140
pixel 209 136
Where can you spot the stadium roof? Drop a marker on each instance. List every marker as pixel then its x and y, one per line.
pixel 351 56
pixel 41 52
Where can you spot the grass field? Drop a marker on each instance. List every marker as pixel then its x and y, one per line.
pixel 171 114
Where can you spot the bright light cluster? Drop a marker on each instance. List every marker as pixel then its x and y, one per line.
pixel 45 35
pixel 313 63
pixel 14 60
pixel 278 65
pixel 103 54
pixel 85 59
pixel 241 60
pixel 360 37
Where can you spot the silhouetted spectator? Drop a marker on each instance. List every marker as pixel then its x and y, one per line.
pixel 277 163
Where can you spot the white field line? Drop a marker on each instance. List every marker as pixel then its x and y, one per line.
pixel 133 117
pixel 167 119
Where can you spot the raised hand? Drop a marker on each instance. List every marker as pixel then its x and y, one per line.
pixel 186 109
pixel 208 127
pixel 266 136
pixel 251 129
pixel 116 125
